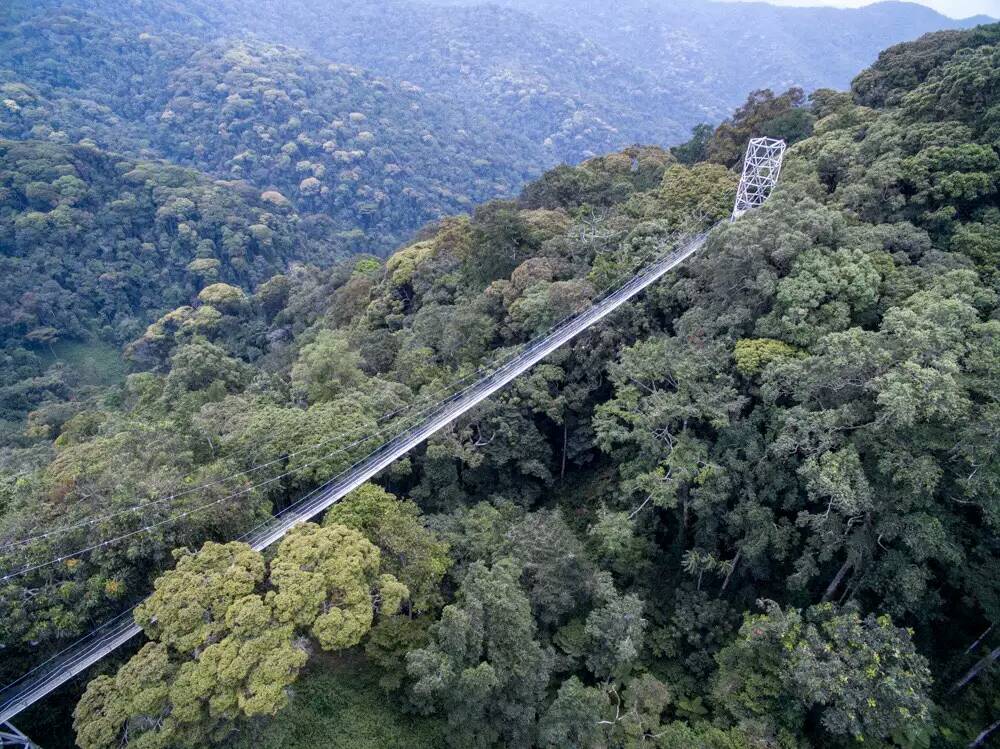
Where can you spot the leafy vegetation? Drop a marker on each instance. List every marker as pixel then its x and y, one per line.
pixel 756 508
pixel 339 704
pixel 367 160
pixel 539 82
pixel 701 50
pixel 93 242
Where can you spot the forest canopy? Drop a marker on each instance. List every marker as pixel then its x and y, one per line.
pixel 757 508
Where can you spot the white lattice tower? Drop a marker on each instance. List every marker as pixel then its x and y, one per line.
pixel 761 168
pixel 11 737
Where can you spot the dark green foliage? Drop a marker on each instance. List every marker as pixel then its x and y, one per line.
pixel 764 114
pixel 338 704
pixel 805 412
pixel 556 571
pixel 696 149
pixel 862 679
pixel 902 68
pixel 483 668
pixel 571 719
pixel 562 79
pixel 92 244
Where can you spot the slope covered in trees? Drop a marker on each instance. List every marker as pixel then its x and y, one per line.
pixel 92 242
pixel 757 508
pixel 573 78
pixel 715 51
pixel 379 158
pixel 94 247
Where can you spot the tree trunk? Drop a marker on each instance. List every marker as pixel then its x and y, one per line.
pixel 736 561
pixel 562 471
pixel 973 672
pixel 837 580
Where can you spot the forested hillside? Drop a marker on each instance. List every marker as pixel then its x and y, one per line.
pixel 573 78
pixel 377 157
pixel 757 508
pixel 90 240
pixel 565 94
pixel 722 50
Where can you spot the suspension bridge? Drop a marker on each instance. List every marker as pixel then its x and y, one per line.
pixel 760 174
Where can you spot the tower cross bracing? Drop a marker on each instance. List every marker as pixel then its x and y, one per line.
pixel 761 168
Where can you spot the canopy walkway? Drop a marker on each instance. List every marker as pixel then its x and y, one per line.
pixel 759 177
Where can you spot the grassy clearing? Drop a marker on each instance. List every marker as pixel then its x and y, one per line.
pixel 338 704
pixel 95 362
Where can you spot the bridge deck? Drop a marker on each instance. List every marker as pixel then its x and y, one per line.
pixel 88 650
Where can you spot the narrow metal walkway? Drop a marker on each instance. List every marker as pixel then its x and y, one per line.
pixel 88 650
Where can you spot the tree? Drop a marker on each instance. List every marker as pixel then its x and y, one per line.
pixel 389 642
pixel 702 193
pixel 752 355
pixel 572 720
pixel 246 673
pixel 861 678
pixel 328 580
pixel 133 701
pixel 825 292
pixel 484 668
pixel 225 649
pixel 187 609
pixel 763 114
pixel 326 368
pixel 696 149
pixel 409 552
pixel 219 654
pixel 204 368
pixel 555 569
pixel 614 634
pixel 225 297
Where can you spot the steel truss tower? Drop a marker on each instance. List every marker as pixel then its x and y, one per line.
pixel 761 168
pixel 11 737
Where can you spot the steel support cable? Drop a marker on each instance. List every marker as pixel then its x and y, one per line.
pixel 118 631
pixel 89 522
pixel 187 513
pixel 567 319
pixel 109 636
pixel 121 623
pixel 215 482
pixel 450 411
pixel 424 398
pixel 245 491
pixel 124 621
pixel 121 626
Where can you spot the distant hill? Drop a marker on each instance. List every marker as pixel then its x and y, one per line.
pixel 533 77
pixel 717 51
pixel 92 243
pixel 378 157
pixel 382 116
pixel 533 80
pixel 574 78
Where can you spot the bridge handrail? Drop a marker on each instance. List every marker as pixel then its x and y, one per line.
pixel 78 656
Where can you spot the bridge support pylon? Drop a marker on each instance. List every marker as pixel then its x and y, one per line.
pixel 761 168
pixel 11 737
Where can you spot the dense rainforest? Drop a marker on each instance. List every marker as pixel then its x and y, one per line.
pixel 712 53
pixel 756 508
pixel 377 157
pixel 564 79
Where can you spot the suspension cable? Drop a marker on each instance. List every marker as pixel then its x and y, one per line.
pixel 148 528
